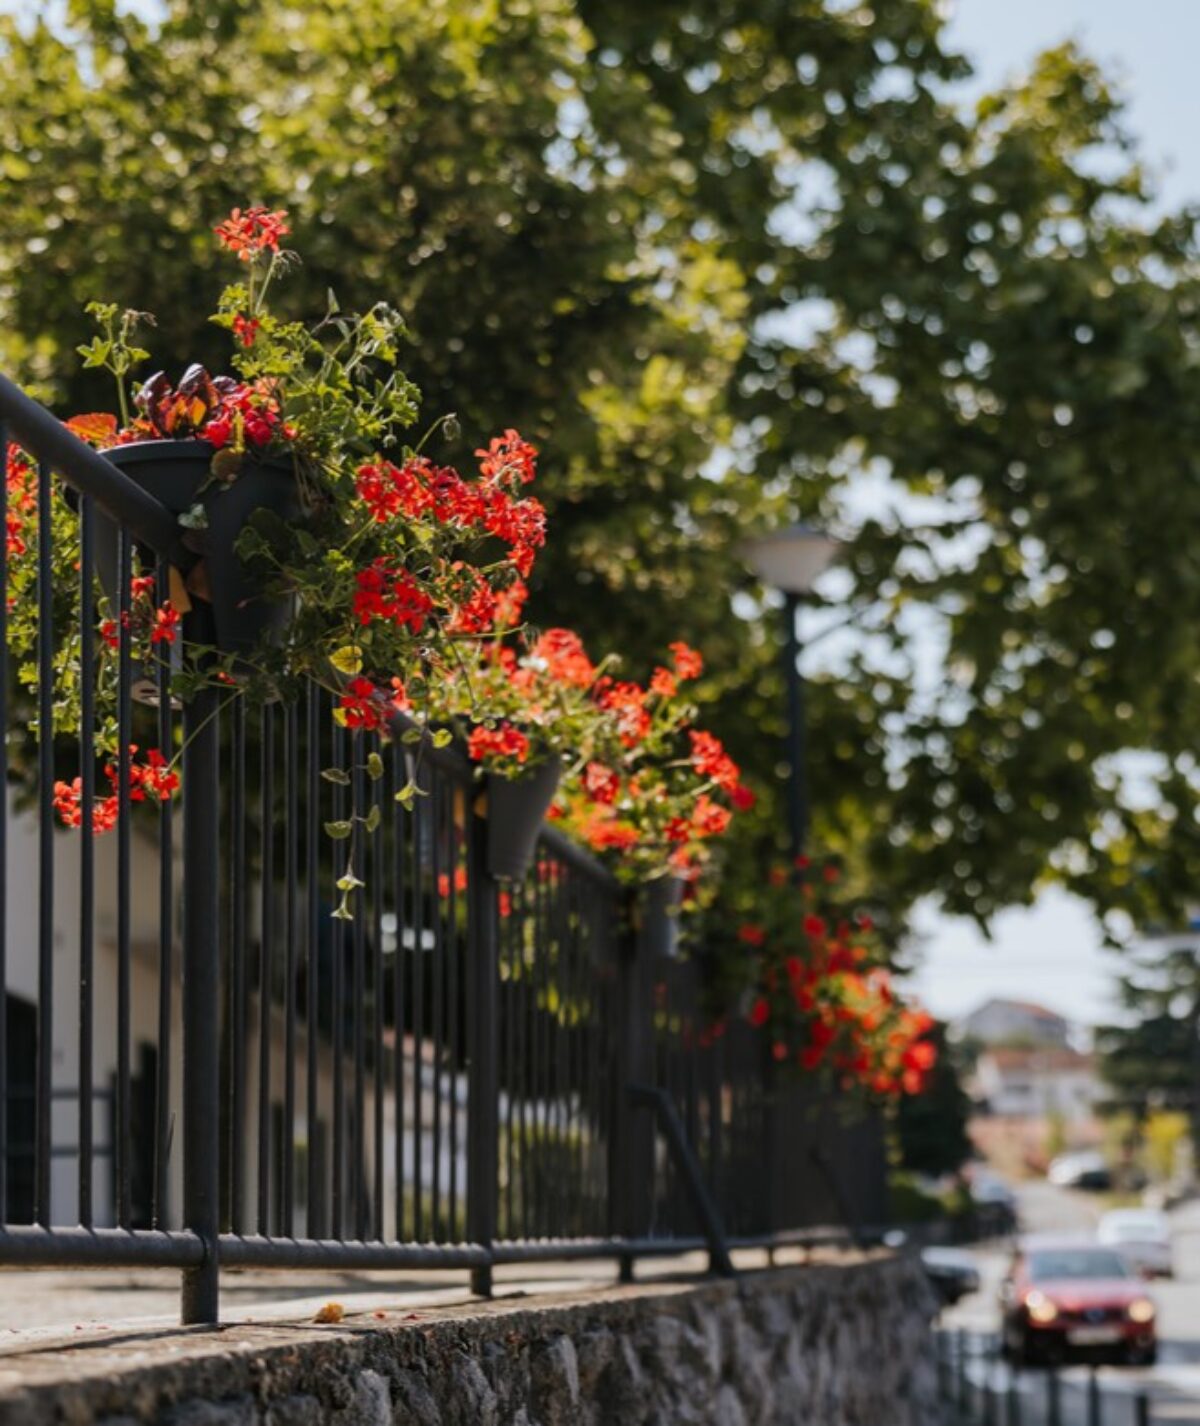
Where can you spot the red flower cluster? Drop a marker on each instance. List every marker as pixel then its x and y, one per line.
pixel 245 329
pixel 508 456
pixel 246 411
pixel 601 783
pixel 385 592
pixel 710 760
pixel 817 996
pixel 153 779
pixel 249 232
pixel 688 663
pixel 502 742
pixel 367 707
pixel 418 488
pixel 565 659
pixel 628 702
pixel 21 513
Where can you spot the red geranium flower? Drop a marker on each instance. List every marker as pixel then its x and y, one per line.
pixel 246 233
pixel 501 742
pixel 688 663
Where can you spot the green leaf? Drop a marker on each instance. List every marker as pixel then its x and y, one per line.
pixel 442 738
pixel 339 831
pixel 347 660
pixel 373 818
pixel 374 766
pixel 336 774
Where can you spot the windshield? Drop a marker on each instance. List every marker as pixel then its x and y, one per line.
pixel 1075 1262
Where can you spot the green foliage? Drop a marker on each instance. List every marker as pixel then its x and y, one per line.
pixel 1151 1058
pixel 931 1127
pixel 728 265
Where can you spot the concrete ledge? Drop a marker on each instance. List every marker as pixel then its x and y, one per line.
pixel 834 1344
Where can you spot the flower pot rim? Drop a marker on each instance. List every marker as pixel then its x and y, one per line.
pixel 528 769
pixel 155 450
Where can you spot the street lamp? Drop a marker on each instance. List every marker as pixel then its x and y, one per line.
pixel 790 560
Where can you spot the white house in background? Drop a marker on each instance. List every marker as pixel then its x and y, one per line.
pixel 1035 1083
pixel 999 1022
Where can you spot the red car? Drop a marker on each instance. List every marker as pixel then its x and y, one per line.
pixel 1066 1297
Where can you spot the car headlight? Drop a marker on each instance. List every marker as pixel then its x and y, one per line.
pixel 1141 1309
pixel 1040 1308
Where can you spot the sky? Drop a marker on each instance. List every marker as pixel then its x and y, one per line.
pixel 1052 953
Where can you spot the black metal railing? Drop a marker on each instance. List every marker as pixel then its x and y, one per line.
pixel 200 1065
pixel 979 1385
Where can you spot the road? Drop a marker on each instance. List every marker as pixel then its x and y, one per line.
pixel 1173 1386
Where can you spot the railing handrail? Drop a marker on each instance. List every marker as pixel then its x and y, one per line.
pixel 87 471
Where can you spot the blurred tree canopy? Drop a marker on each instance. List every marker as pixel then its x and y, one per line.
pixel 728 264
pixel 1150 1061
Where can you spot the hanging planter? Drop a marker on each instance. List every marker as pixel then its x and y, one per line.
pixel 517 808
pixel 661 903
pixel 230 591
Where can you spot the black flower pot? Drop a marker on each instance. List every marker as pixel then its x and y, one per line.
pixel 239 617
pixel 661 903
pixel 517 808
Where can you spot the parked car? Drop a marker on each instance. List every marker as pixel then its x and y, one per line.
pixel 1143 1238
pixel 952 1272
pixel 1082 1170
pixel 1072 1297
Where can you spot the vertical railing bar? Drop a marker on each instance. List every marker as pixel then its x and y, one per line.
pixel 312 850
pixel 483 1147
pixel 166 916
pixel 554 970
pixel 339 950
pixel 7 455
pixel 520 916
pixel 438 811
pixel 238 970
pixel 562 1045
pixel 87 861
pixel 45 705
pixel 510 1013
pixel 201 1000
pixel 124 872
pixel 266 966
pixel 376 883
pixel 586 1106
pixel 358 1010
pixel 601 1120
pixel 576 1054
pixel 562 1089
pixel 542 962
pixel 400 820
pixel 418 1019
pixel 453 951
pixel 536 1079
pixel 291 851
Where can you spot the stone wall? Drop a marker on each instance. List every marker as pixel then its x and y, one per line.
pixel 833 1344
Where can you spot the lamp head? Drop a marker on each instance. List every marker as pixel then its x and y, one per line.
pixel 790 559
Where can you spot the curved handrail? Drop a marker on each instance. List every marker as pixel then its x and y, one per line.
pixel 46 438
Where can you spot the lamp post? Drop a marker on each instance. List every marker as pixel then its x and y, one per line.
pixel 790 560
